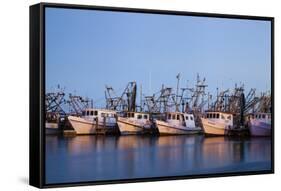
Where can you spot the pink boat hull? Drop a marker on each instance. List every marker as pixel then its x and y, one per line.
pixel 259 128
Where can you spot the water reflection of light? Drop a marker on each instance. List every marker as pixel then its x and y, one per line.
pixel 259 149
pixel 221 151
pixel 114 157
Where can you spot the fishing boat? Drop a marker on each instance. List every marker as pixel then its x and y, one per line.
pixel 94 121
pixel 177 123
pixel 217 123
pixel 260 124
pixel 51 128
pixel 134 123
pixel 51 124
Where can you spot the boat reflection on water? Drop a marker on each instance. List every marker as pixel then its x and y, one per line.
pixel 90 158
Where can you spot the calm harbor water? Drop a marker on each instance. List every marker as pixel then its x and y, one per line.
pixel 92 158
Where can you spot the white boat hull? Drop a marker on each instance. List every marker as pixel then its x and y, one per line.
pixel 212 128
pixel 128 127
pixel 84 127
pixel 165 128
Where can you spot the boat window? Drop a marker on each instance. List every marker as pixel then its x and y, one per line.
pixel 83 112
pixel 186 117
pixel 218 115
pixel 96 112
pixel 191 118
pixel 178 117
pixel 87 112
pixel 169 116
pixel 139 116
pixel 256 116
pixel 259 116
pixel 145 117
pixel 133 115
pixel 263 116
pixel 229 117
pixel 222 117
pixel 174 116
pixel 208 115
pixel 92 112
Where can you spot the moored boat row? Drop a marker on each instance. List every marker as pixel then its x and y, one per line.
pixel 96 121
pixel 165 112
pixel 174 123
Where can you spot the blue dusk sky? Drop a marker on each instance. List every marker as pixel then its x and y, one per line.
pixel 87 49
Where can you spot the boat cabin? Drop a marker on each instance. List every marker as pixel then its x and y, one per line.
pixel 178 118
pixel 220 117
pixel 100 113
pixel 261 116
pixel 137 115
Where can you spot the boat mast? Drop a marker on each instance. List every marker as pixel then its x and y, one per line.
pixel 177 93
pixel 149 88
pixel 140 97
pixel 208 100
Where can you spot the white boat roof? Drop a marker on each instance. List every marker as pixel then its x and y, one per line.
pixel 259 113
pixel 181 113
pixel 220 112
pixel 138 112
pixel 103 110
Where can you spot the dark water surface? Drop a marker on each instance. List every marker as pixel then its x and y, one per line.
pixel 92 158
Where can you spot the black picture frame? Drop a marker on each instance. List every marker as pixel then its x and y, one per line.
pixel 37 93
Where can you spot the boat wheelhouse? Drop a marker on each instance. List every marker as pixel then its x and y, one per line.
pixel 134 123
pixel 177 123
pixel 94 121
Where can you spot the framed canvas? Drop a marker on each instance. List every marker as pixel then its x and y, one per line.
pixel 123 95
